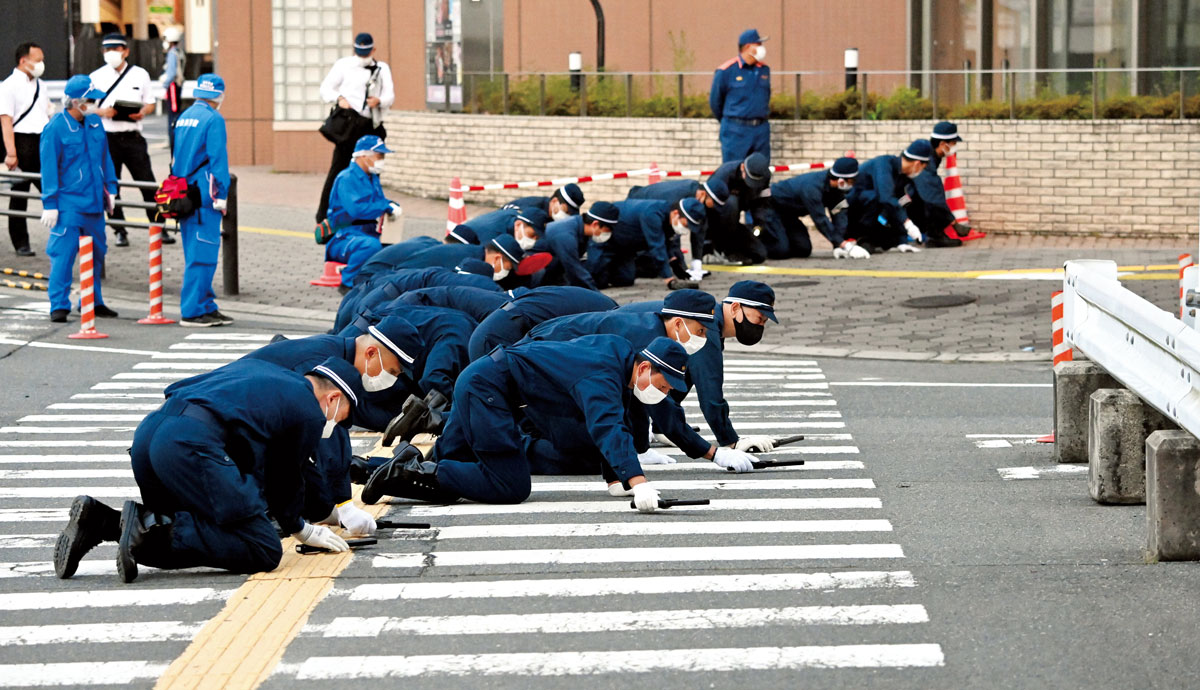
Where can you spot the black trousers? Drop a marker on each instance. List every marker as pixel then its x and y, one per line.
pixel 341 159
pixel 28 160
pixel 128 149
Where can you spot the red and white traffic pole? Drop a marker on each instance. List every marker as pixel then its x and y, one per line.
pixel 156 280
pixel 87 297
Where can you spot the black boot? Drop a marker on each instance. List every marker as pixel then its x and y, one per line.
pixel 939 240
pixel 91 522
pixel 408 476
pixel 417 416
pixel 142 534
pixel 122 238
pixel 277 338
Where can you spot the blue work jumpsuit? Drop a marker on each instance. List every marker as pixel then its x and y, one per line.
pixel 355 206
pixel 201 157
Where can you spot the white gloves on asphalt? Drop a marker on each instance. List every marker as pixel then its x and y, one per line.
pixel 914 233
pixel 851 250
pixel 49 218
pixel 395 210
pixel 358 522
pixel 321 537
pixel 653 457
pixel 908 248
pixel 739 461
pixel 755 444
pixel 645 497
pixel 617 491
pixel 220 205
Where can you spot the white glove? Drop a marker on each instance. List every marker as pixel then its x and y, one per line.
pixel 331 519
pixel 857 252
pixel 739 460
pixel 755 444
pixel 914 233
pixel 109 204
pixel 49 218
pixel 321 537
pixel 617 491
pixel 358 522
pixel 653 457
pixel 907 249
pixel 905 200
pixel 661 439
pixel 645 497
pixel 696 273
pixel 395 210
pixel 839 253
pixel 220 205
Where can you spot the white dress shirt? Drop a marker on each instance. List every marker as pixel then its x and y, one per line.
pixel 348 79
pixel 16 93
pixel 135 87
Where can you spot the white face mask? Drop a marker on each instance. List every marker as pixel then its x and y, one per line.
pixel 602 237
pixel 113 58
pixel 376 168
pixel 381 381
pixel 560 215
pixel 694 342
pixel 526 242
pixel 913 176
pixel 331 424
pixel 843 184
pixel 649 395
pixel 366 61
pixel 760 53
pixel 37 69
pixel 680 229
pixel 499 274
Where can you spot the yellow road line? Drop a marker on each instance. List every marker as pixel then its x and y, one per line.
pixel 274 231
pixel 241 646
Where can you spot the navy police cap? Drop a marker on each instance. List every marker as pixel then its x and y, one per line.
pixel 753 294
pixel 717 190
pixel 363 44
pixel 342 374
pixel 750 36
pixel 535 218
pixel 508 246
pixel 670 359
pixel 400 337
pixel 475 266
pixel 919 150
pixel 693 212
pixel 947 131
pixel 114 40
pixel 690 304
pixel 603 212
pixel 464 234
pixel 845 167
pixel 572 196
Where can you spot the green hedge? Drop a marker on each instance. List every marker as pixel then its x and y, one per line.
pixel 606 97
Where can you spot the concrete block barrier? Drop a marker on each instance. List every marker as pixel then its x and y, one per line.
pixel 1074 383
pixel 1172 496
pixel 1118 425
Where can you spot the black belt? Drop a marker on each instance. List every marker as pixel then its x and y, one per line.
pixel 183 408
pixel 748 121
pixel 511 307
pixel 391 291
pixel 362 323
pixel 35 135
pixel 130 133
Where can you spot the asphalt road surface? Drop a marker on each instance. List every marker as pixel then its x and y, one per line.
pixel 927 542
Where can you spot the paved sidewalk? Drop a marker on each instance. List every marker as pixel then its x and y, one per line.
pixel 856 311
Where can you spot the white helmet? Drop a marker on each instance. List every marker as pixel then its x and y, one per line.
pixel 172 34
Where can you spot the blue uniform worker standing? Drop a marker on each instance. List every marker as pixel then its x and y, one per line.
pixel 514 319
pixel 743 314
pixel 877 220
pixel 928 208
pixel 356 205
pixel 567 241
pixel 470 273
pixel 820 195
pixel 583 388
pixel 219 459
pixel 77 181
pixel 740 99
pixel 566 201
pixel 201 158
pixel 648 230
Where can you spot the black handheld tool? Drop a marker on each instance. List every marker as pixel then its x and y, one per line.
pixel 665 503
pixel 388 524
pixel 764 464
pixel 353 543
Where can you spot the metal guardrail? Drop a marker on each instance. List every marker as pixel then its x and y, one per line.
pixel 55 87
pixel 1148 350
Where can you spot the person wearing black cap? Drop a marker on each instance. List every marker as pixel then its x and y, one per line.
pixel 582 399
pixel 645 242
pixel 740 99
pixel 732 241
pixel 567 240
pixel 566 201
pixel 363 85
pixel 928 208
pixel 820 195
pixel 214 464
pixel 128 98
pixel 388 286
pixel 877 220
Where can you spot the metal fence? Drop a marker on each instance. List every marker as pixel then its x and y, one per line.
pixel 1166 92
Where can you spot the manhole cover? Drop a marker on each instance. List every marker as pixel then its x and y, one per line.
pixel 938 301
pixel 795 283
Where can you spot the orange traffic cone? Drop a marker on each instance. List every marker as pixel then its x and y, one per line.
pixel 332 277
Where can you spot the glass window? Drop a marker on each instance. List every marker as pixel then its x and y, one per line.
pixel 304 52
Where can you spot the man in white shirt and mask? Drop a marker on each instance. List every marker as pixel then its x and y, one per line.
pixel 362 84
pixel 24 112
pixel 129 98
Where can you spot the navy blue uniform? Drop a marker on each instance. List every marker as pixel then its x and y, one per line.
pixel 741 99
pixel 810 194
pixel 515 319
pixel 725 229
pixel 404 255
pixel 705 371
pixel 929 210
pixel 639 329
pixel 389 287
pixel 876 195
pixel 573 397
pixel 446 333
pixel 492 225
pixel 474 302
pixel 566 242
pixel 542 203
pixel 225 449
pixel 643 228
pixel 672 191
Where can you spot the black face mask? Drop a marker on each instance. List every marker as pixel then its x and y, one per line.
pixel 748 333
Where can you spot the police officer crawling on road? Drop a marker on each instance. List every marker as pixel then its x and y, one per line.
pixel 566 201
pixel 581 390
pixel 219 459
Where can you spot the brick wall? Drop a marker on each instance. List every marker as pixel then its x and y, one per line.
pixel 1117 178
